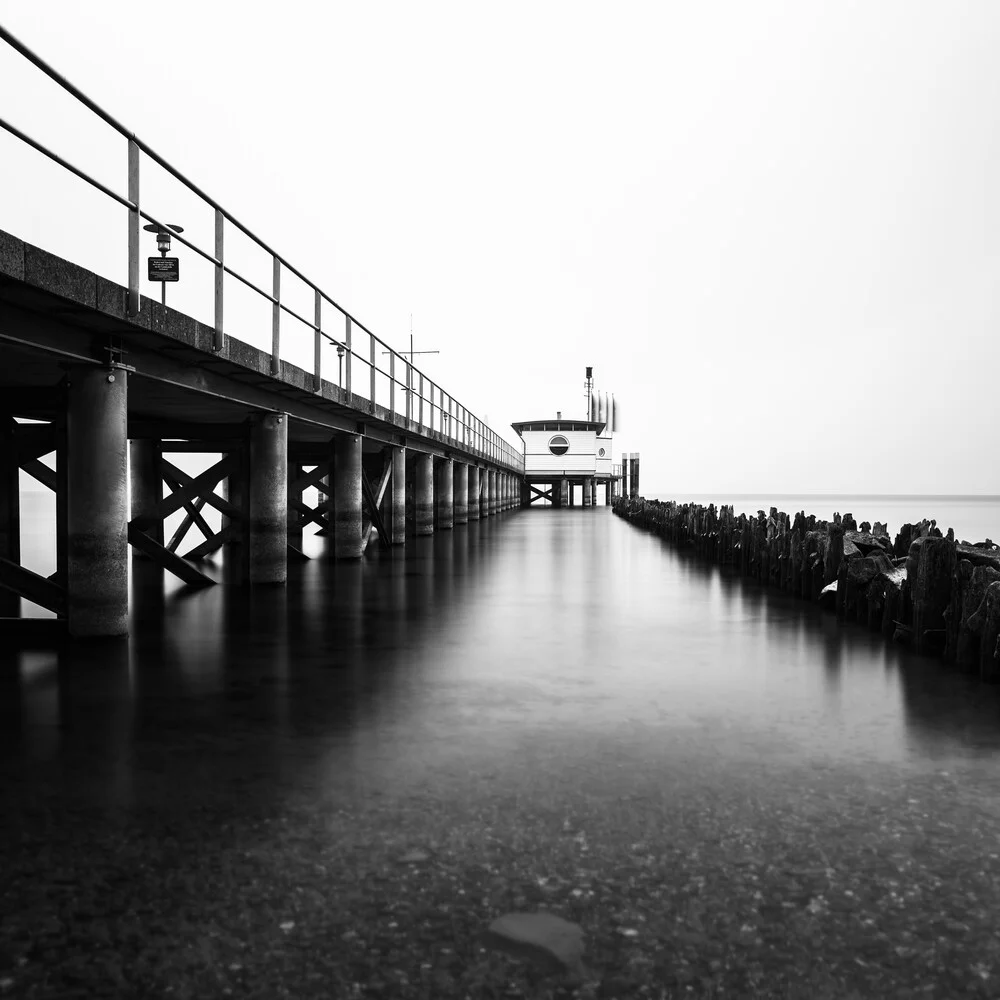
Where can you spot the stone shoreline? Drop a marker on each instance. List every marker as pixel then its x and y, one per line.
pixel 922 587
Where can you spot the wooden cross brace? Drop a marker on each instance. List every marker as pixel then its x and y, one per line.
pixel 372 500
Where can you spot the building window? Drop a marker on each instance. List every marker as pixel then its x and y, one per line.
pixel 602 453
pixel 558 445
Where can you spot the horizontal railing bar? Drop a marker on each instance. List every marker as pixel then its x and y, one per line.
pixel 64 163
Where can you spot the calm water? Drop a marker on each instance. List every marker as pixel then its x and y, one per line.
pixel 564 629
pixel 974 518
pixel 566 712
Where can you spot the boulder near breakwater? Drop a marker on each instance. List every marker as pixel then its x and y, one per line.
pixel 923 587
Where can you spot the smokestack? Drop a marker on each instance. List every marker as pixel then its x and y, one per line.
pixel 558 414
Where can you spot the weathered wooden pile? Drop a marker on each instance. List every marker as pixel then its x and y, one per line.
pixel 923 587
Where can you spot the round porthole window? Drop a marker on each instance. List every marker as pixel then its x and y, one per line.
pixel 602 453
pixel 558 445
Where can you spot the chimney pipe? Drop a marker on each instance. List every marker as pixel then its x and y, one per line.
pixel 558 414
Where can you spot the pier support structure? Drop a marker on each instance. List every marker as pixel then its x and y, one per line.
pixel 423 485
pixel 97 501
pixel 268 495
pixel 460 491
pixel 146 485
pixel 444 495
pixel 397 497
pixel 587 494
pixel 10 510
pixel 473 512
pixel 347 496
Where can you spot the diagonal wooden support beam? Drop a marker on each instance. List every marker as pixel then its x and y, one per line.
pixel 35 440
pixel 192 487
pixel 193 515
pixel 213 544
pixel 40 471
pixel 188 522
pixel 168 560
pixel 316 514
pixel 372 499
pixel 314 478
pixel 202 485
pixel 33 587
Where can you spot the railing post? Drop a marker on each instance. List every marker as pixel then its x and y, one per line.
pixel 371 358
pixel 392 382
pixel 276 319
pixel 347 344
pixel 132 303
pixel 421 419
pixel 317 342
pixel 219 341
pixel 409 392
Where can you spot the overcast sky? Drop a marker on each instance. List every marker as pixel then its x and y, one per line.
pixel 772 228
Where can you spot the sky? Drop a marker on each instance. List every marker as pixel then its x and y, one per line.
pixel 772 228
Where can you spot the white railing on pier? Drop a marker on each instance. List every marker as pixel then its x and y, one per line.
pixel 401 388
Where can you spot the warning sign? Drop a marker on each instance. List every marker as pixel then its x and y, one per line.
pixel 164 269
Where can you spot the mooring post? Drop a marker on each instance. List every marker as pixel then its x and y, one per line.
pixel 146 484
pixel 424 494
pixel 444 495
pixel 461 492
pixel 97 501
pixel 473 510
pixel 268 488
pixel 347 496
pixel 397 494
pixel 10 510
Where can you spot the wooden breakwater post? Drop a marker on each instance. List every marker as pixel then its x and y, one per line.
pixel 922 587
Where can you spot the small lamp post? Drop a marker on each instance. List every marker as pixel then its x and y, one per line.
pixel 163 245
pixel 340 363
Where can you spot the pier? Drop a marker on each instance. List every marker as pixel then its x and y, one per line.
pixel 116 385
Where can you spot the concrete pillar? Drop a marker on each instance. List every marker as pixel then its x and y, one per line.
pixel 97 501
pixel 294 525
pixel 473 492
pixel 444 494
pixel 146 485
pixel 586 491
pixel 347 496
pixel 424 487
pixel 10 510
pixel 563 492
pixel 461 493
pixel 491 493
pixel 593 493
pixel 268 490
pixel 396 521
pixel 609 492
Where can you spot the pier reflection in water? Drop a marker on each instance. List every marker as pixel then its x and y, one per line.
pixel 567 630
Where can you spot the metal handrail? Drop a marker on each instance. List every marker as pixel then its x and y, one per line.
pixel 469 431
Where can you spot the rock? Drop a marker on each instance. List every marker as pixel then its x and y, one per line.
pixel 413 856
pixel 553 944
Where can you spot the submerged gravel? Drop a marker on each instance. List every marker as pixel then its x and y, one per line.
pixel 704 879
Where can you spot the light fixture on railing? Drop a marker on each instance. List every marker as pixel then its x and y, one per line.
pixel 340 361
pixel 163 268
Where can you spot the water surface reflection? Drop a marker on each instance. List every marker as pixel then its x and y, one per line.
pixel 567 630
